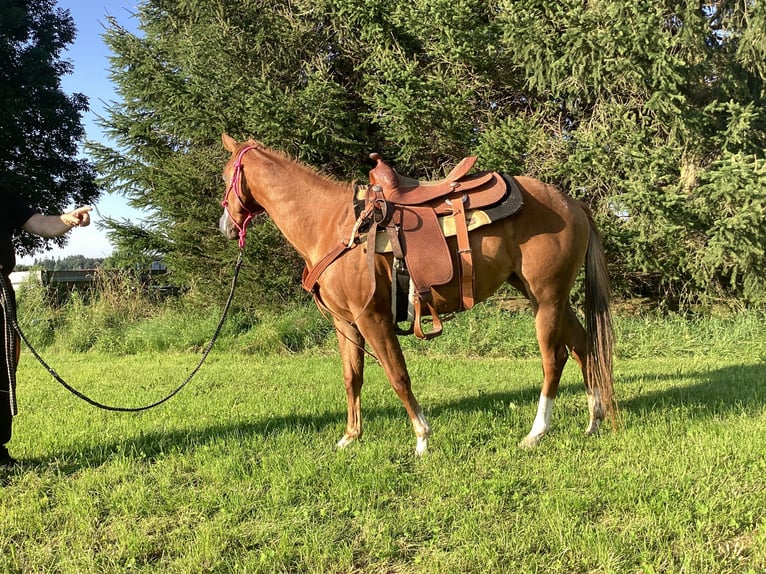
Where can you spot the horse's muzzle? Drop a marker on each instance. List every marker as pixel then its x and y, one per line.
pixel 227 227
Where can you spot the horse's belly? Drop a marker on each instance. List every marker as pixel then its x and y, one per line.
pixel 492 263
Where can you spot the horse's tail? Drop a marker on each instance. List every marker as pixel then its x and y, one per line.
pixel 598 323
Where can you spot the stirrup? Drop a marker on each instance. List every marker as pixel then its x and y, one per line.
pixel 436 322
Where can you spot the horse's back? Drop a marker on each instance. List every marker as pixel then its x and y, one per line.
pixel 548 210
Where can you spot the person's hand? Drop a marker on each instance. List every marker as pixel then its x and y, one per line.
pixel 80 217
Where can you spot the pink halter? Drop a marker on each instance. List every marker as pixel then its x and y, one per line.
pixel 235 185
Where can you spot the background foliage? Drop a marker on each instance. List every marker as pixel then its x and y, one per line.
pixel 654 115
pixel 40 125
pixel 70 262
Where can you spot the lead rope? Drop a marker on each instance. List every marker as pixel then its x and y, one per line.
pixel 12 324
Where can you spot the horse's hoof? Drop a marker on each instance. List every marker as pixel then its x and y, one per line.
pixel 422 446
pixel 592 429
pixel 345 441
pixel 530 441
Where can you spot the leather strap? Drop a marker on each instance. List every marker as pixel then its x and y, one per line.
pixel 464 255
pixel 393 238
pixel 310 277
pixel 378 211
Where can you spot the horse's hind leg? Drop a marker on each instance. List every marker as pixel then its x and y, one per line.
pixel 574 336
pixel 352 355
pixel 548 323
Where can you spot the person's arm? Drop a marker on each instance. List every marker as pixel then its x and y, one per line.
pixel 56 225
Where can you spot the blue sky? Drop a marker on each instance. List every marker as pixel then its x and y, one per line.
pixel 90 58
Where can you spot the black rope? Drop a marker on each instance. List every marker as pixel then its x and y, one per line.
pixel 90 401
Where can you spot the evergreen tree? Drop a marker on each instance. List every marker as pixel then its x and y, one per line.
pixel 652 114
pixel 40 126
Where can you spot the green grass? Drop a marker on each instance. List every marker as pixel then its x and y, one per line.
pixel 239 473
pixel 118 318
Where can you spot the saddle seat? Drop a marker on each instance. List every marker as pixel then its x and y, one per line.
pixel 410 209
pixel 403 190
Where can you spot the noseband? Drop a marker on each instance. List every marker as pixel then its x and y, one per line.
pixel 236 186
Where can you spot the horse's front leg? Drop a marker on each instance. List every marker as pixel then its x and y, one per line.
pixel 379 332
pixel 351 346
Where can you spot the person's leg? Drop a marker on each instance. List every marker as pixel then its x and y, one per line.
pixel 6 420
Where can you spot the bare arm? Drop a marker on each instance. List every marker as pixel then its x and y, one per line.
pixel 57 225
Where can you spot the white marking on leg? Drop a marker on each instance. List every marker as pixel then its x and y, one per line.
pixel 422 430
pixel 596 411
pixel 543 419
pixel 542 422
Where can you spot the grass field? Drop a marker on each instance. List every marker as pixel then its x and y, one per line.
pixel 239 472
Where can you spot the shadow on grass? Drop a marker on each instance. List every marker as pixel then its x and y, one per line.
pixel 720 392
pixel 153 445
pixel 717 391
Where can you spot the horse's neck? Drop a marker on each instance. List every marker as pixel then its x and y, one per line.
pixel 313 212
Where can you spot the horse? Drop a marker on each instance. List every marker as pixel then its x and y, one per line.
pixel 539 250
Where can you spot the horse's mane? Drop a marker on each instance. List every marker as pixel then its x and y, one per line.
pixel 309 170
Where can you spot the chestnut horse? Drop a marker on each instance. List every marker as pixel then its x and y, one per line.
pixel 539 250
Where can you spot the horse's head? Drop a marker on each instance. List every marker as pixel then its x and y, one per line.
pixel 239 206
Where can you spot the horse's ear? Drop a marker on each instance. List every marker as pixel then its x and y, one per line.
pixel 229 142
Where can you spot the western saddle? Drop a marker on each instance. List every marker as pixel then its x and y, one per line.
pixel 410 211
pixel 417 217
